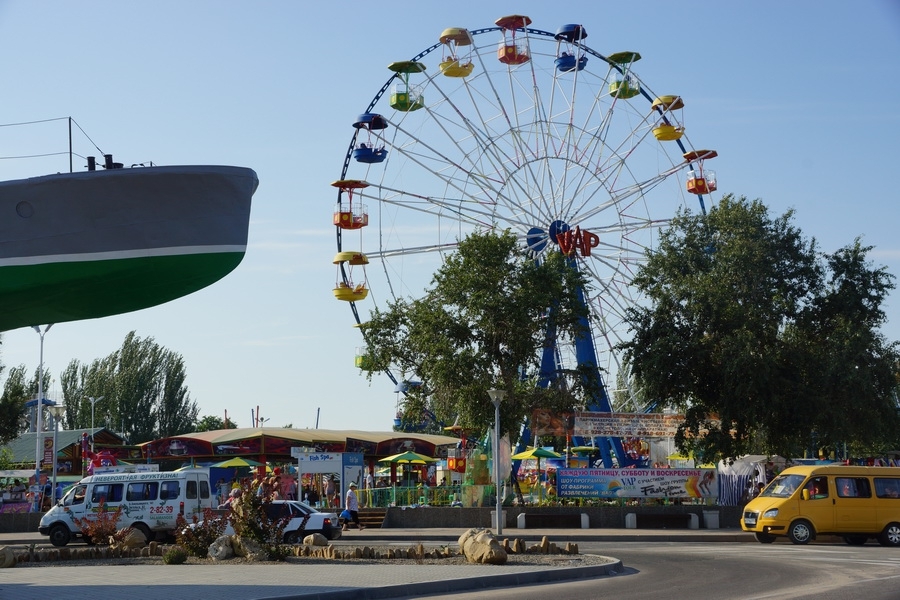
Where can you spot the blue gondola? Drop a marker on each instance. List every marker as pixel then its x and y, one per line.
pixel 568 38
pixel 371 150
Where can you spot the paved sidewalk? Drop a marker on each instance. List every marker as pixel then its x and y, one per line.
pixel 325 581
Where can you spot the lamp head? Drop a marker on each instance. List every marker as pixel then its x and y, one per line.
pixel 497 396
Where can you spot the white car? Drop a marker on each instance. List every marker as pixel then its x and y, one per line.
pixel 294 531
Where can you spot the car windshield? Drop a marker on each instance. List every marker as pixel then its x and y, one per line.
pixel 783 486
pixel 303 507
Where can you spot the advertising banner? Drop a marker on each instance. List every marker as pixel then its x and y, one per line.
pixel 637 483
pixel 640 425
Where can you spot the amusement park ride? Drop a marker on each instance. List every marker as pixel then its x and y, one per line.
pixel 539 134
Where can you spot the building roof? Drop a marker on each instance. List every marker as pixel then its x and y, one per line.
pixel 278 441
pixel 23 447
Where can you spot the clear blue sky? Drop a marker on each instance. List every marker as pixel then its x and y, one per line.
pixel 799 99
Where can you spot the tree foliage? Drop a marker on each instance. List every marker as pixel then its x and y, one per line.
pixel 140 390
pixel 12 404
pixel 755 335
pixel 481 325
pixel 214 423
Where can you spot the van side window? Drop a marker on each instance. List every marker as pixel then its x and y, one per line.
pixel 170 490
pixel 886 487
pixel 818 488
pixel 853 487
pixel 145 490
pixel 191 492
pixel 108 492
pixel 78 494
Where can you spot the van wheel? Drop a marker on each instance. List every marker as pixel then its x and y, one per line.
pixel 292 537
pixel 764 538
pixel 856 540
pixel 148 535
pixel 800 532
pixel 60 535
pixel 890 536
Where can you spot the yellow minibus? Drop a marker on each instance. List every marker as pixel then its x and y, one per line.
pixel 856 503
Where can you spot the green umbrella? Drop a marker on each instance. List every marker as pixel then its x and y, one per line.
pixel 407 458
pixel 537 453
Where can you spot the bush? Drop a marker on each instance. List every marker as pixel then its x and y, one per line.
pixel 197 538
pixel 102 527
pixel 250 519
pixel 175 556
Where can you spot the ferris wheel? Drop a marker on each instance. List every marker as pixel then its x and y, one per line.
pixel 510 127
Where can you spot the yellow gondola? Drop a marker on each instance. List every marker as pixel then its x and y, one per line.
pixel 669 128
pixel 345 289
pixel 452 65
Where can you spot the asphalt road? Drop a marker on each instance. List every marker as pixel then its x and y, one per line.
pixel 726 571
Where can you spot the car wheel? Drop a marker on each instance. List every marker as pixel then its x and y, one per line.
pixel 292 537
pixel 148 535
pixel 856 540
pixel 60 535
pixel 800 532
pixel 765 538
pixel 890 536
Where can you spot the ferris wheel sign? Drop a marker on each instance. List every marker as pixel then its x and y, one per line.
pixel 643 425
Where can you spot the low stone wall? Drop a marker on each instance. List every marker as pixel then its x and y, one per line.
pixel 19 522
pixel 611 517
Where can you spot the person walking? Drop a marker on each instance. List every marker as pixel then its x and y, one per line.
pixel 352 506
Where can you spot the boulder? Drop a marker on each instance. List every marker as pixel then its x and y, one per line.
pixel 221 549
pixel 315 539
pixel 134 539
pixel 479 546
pixel 247 548
pixel 7 557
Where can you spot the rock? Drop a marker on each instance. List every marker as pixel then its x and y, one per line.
pixel 134 539
pixel 247 548
pixel 479 546
pixel 315 539
pixel 221 549
pixel 7 557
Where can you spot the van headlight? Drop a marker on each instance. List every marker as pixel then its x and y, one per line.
pixel 770 514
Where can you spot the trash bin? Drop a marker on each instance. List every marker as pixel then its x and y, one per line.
pixel 711 519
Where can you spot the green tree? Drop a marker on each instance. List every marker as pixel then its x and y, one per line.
pixel 734 331
pixel 140 391
pixel 12 405
pixel 482 325
pixel 214 423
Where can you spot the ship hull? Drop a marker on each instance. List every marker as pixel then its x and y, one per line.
pixel 87 245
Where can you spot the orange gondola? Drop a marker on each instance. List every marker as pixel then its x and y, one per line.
pixel 700 181
pixel 513 51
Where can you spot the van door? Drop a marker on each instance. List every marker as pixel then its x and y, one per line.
pixel 853 508
pixel 819 509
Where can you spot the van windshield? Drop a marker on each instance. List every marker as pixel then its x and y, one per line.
pixel 783 486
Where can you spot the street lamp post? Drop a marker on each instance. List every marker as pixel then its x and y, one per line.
pixel 93 402
pixel 497 397
pixel 56 410
pixel 39 442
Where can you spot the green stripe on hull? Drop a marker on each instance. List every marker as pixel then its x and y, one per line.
pixel 71 291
